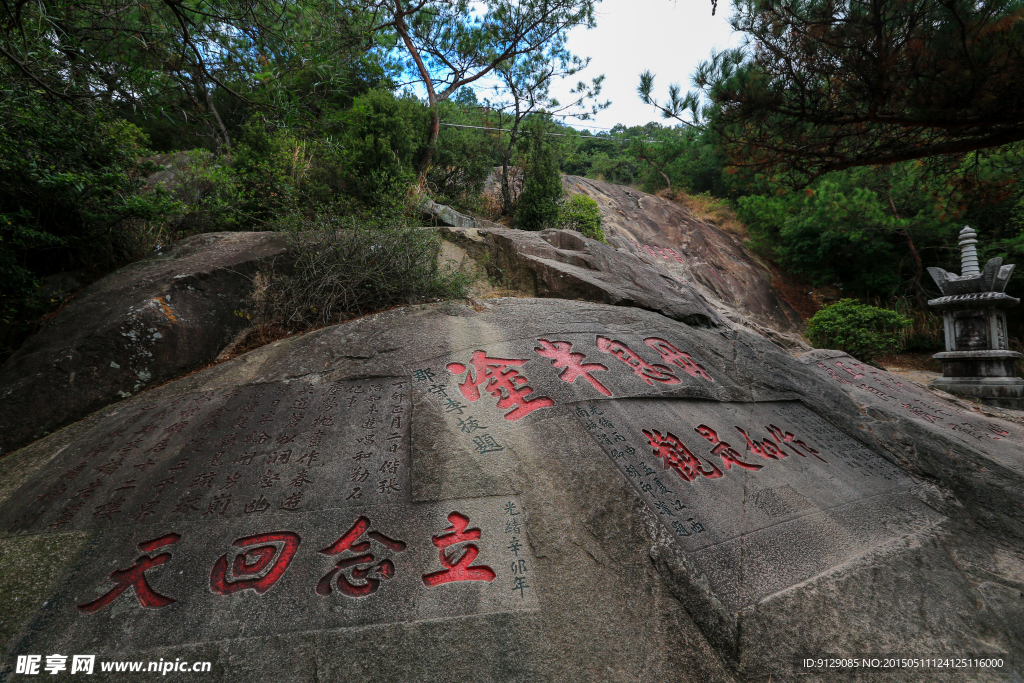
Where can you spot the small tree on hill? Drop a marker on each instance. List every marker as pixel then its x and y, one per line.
pixel 542 185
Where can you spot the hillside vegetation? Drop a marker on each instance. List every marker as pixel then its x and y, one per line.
pixel 299 110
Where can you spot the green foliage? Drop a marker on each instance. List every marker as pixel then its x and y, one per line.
pixel 853 228
pixel 826 86
pixel 926 332
pixel 381 136
pixel 363 158
pixel 68 193
pixel 582 214
pixel 448 45
pixel 192 73
pixel 464 157
pixel 341 267
pixel 650 157
pixel 538 205
pixel 209 192
pixel 863 331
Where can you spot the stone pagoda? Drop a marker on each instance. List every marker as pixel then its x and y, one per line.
pixel 977 362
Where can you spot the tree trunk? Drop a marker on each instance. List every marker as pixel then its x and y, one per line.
pixel 667 181
pixel 433 131
pixel 506 189
pixel 919 297
pixel 918 273
pixel 216 115
pixel 507 200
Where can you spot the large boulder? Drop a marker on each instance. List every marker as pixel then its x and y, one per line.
pixel 563 264
pixel 665 234
pixel 521 490
pixel 144 324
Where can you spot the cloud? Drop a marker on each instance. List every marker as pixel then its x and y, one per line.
pixel 667 37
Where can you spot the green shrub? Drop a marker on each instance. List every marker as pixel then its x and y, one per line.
pixel 582 214
pixel 381 136
pixel 341 267
pixel 862 331
pixel 269 166
pixel 463 160
pixel 209 192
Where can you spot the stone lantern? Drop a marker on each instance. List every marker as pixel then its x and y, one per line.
pixel 977 362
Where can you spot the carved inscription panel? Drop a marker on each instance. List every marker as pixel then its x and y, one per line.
pixel 263 510
pixel 246 452
pixel 760 496
pixel 970 331
pixel 171 583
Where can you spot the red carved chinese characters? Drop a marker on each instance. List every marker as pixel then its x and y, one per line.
pixel 676 455
pixel 366 576
pixel 135 578
pixel 561 356
pixel 500 378
pixel 248 566
pixel 833 374
pixel 789 439
pixel 674 356
pixel 673 453
pixel 728 454
pixel 766 448
pixel 641 368
pixel 461 569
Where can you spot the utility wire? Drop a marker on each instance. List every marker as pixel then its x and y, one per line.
pixel 561 135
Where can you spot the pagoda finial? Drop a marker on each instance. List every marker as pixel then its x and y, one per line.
pixel 968 253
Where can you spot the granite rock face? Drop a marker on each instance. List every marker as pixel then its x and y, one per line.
pixel 564 264
pixel 520 490
pixel 144 324
pixel 715 263
pixel 439 214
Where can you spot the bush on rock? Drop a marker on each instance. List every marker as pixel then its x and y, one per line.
pixel 582 214
pixel 865 332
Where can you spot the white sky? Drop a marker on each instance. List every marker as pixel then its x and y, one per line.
pixel 669 38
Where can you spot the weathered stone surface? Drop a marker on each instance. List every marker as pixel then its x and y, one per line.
pixel 979 459
pixel 834 511
pixel 439 214
pixel 144 324
pixel 715 263
pixel 566 265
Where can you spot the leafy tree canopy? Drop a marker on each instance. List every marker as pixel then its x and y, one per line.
pixel 450 44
